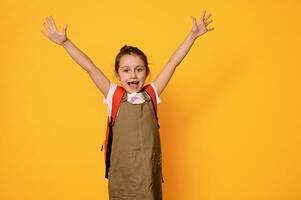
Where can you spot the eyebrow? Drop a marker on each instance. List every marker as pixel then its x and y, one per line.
pixel 128 66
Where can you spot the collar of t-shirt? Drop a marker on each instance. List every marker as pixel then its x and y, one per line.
pixel 135 98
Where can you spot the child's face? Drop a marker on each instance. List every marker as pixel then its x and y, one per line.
pixel 132 72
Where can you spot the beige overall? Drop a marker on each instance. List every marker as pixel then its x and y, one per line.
pixel 136 159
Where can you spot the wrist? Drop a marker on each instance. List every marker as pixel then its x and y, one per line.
pixel 192 35
pixel 63 43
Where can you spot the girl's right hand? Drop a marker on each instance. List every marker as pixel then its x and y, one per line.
pixel 52 33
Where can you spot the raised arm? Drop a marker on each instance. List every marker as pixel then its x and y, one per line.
pixel 198 29
pixel 60 38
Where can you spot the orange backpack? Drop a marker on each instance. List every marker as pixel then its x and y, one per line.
pixel 117 97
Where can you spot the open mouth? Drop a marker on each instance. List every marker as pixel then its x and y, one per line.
pixel 133 84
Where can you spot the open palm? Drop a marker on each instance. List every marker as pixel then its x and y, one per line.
pixel 199 28
pixel 52 33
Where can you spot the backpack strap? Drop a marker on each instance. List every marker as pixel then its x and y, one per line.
pixel 151 92
pixel 117 97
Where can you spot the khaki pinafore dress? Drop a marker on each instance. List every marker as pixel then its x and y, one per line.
pixel 136 160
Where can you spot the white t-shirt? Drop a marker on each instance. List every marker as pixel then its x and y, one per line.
pixel 109 98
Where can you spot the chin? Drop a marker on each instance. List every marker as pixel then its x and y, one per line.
pixel 134 90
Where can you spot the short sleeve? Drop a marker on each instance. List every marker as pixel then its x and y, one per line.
pixel 157 96
pixel 109 98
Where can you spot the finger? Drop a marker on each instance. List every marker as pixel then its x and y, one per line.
pixel 194 21
pixel 46 27
pixel 49 23
pixel 44 33
pixel 53 23
pixel 203 15
pixel 208 16
pixel 210 29
pixel 65 28
pixel 208 22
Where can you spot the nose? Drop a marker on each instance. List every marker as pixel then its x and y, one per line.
pixel 133 74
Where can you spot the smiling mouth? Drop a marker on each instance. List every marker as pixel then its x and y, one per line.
pixel 133 83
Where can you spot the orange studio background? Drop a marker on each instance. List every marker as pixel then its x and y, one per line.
pixel 230 116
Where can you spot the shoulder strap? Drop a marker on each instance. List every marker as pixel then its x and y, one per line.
pixel 150 90
pixel 117 97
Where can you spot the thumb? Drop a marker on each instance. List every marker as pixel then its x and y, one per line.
pixel 65 27
pixel 193 19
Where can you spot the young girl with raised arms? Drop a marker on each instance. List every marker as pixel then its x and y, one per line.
pixel 132 147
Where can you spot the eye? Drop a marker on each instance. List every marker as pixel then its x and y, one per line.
pixel 140 69
pixel 126 70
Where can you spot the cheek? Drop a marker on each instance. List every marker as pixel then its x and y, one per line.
pixel 143 74
pixel 122 76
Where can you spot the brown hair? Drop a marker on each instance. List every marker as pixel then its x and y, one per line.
pixel 131 50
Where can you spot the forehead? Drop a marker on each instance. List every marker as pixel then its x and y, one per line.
pixel 130 60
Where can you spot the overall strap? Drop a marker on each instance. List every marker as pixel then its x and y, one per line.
pixel 150 90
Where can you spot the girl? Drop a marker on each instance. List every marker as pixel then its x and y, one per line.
pixel 135 159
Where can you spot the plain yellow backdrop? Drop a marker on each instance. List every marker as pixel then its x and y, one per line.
pixel 230 116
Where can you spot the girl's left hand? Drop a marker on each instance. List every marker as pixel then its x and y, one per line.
pixel 200 28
